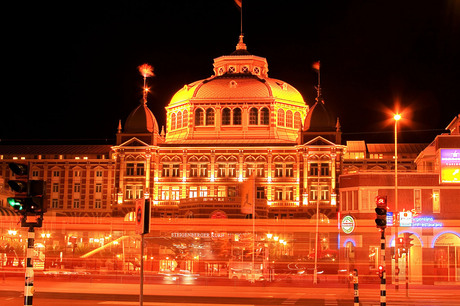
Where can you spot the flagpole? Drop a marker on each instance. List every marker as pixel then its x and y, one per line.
pixel 241 18
pixel 253 218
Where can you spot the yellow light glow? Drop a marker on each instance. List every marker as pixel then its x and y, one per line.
pixel 276 238
pixel 397 117
pixel 212 178
pixel 269 236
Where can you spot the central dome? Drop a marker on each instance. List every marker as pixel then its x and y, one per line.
pixel 239 102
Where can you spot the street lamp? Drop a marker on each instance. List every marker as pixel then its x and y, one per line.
pixel 396 117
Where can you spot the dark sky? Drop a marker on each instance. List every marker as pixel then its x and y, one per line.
pixel 72 67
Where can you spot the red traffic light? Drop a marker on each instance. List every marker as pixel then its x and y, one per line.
pixel 381 212
pixel 381 271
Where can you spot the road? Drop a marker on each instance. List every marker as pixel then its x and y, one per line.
pixel 59 292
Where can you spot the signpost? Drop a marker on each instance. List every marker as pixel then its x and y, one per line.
pixel 143 212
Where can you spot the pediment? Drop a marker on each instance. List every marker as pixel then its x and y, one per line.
pixel 319 141
pixel 134 142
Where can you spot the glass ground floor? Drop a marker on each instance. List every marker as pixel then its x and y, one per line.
pixel 231 249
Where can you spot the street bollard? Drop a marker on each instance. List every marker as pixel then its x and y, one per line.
pixel 355 287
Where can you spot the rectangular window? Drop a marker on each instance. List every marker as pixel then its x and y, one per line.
pixel 313 193
pixel 139 192
pixel 98 203
pixel 129 169
pixel 98 188
pixel 140 169
pixel 221 192
pixel 203 191
pixel 176 170
pixel 56 173
pixel 194 170
pixel 249 170
pixel 77 173
pixel 324 193
pixel 290 170
pixel 203 170
pixel 278 193
pixel 417 200
pixel 76 187
pixel 175 194
pixel 98 173
pixel 289 193
pixel 278 170
pixel 324 169
pixel 129 192
pixel 193 193
pixel 55 203
pixel 260 193
pixel 76 203
pixel 260 170
pixel 165 170
pixel 232 170
pixel 164 193
pixel 35 173
pixel 232 191
pixel 220 170
pixel 313 169
pixel 55 187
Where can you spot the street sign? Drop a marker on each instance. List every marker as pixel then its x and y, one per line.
pixel 142 213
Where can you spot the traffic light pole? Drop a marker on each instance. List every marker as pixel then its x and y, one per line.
pixel 383 278
pixel 29 277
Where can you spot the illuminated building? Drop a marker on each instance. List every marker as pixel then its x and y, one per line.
pixel 428 214
pixel 219 131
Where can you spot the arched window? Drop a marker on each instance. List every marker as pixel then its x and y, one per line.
pixel 173 121
pixel 199 117
pixel 179 120
pixel 253 116
pixel 226 116
pixel 237 116
pixel 289 119
pixel 297 121
pixel 264 116
pixel 185 119
pixel 280 117
pixel 210 116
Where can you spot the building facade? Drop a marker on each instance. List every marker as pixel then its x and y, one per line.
pixel 237 128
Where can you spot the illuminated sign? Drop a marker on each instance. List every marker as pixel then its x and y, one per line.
pixel 425 222
pixel 390 218
pixel 348 224
pixel 450 165
pixel 405 218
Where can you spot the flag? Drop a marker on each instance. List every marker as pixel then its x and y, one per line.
pixel 248 189
pixel 316 66
pixel 239 3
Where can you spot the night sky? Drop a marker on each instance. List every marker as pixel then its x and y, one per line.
pixel 72 67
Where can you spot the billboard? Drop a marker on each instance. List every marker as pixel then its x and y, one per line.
pixel 450 166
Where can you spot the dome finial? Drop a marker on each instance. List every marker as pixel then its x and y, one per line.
pixel 241 45
pixel 119 127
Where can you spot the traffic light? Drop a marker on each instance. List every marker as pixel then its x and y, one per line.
pixel 381 212
pixel 29 195
pixel 19 185
pixel 408 240
pixel 381 271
